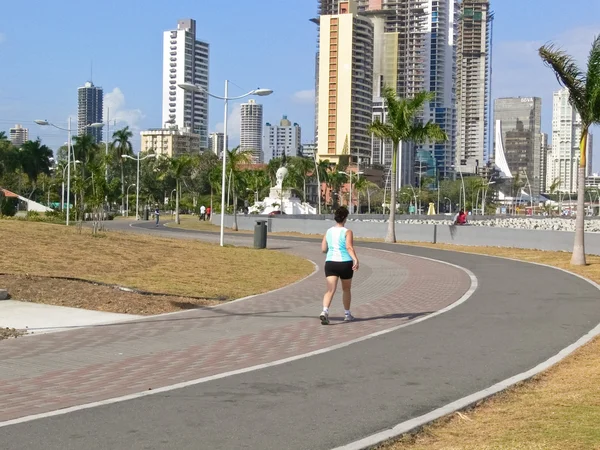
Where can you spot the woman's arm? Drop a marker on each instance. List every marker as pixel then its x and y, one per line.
pixel 350 248
pixel 324 244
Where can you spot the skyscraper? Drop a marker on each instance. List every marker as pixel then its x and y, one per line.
pixel 345 92
pixel 414 51
pixel 566 136
pixel 90 100
pixel 216 143
pixel 185 60
pixel 251 129
pixel 472 84
pixel 518 139
pixel 18 135
pixel 283 138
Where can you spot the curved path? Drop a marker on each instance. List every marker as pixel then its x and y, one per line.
pixel 519 316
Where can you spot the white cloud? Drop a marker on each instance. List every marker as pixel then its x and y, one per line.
pixel 2 38
pixel 234 123
pixel 306 96
pixel 115 101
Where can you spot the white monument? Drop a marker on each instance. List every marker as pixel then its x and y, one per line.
pixel 282 199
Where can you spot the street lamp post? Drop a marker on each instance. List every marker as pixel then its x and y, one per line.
pixel 189 87
pixel 69 147
pixel 62 193
pixel 137 185
pixel 127 195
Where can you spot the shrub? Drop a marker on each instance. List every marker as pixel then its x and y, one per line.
pixel 8 206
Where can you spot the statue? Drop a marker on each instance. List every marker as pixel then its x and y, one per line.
pixel 281 172
pixel 280 175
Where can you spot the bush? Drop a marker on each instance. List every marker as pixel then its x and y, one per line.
pixel 8 206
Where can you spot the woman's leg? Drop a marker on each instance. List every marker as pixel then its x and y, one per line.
pixel 331 287
pixel 347 293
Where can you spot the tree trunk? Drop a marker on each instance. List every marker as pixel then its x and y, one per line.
pixel 235 224
pixel 177 221
pixel 369 200
pixel 122 187
pixel 578 258
pixel 391 233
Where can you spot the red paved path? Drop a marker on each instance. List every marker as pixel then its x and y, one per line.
pixel 53 371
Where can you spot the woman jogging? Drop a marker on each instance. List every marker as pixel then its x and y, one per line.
pixel 341 263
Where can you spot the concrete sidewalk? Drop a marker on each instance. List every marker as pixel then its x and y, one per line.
pixel 38 318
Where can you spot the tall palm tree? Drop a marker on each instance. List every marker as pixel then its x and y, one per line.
pixel 402 126
pixel 178 168
pixel 584 95
pixel 122 146
pixel 235 159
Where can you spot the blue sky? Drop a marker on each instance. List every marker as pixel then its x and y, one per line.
pixel 46 49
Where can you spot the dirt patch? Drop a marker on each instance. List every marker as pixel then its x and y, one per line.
pixel 77 294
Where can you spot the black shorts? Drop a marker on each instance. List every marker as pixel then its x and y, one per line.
pixel 339 269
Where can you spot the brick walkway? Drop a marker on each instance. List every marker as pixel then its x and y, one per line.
pixel 48 372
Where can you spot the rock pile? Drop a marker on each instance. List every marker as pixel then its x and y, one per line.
pixel 521 223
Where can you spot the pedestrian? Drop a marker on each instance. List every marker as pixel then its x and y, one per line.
pixel 340 264
pixel 460 218
pixel 157 214
pixel 208 213
pixel 202 212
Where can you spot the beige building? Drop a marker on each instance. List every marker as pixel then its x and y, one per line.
pixel 170 142
pixel 18 135
pixel 345 91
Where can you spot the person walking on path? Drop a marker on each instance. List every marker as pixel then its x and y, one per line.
pixel 202 213
pixel 340 264
pixel 157 215
pixel 208 213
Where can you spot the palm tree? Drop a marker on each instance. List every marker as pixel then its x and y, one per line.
pixel 3 136
pixel 178 167
pixel 235 159
pixel 35 160
pixel 584 95
pixel 304 167
pixel 365 186
pixel 122 146
pixel 402 126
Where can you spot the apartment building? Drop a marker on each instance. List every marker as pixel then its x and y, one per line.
pixel 170 142
pixel 473 84
pixel 345 91
pixel 281 139
pixel 185 60
pixel 251 130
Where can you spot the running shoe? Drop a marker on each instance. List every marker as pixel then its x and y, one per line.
pixel 348 317
pixel 324 318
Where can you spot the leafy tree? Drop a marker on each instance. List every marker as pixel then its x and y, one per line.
pixel 584 95
pixel 402 126
pixel 121 145
pixel 35 160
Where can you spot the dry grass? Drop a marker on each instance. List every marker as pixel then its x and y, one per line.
pixel 175 267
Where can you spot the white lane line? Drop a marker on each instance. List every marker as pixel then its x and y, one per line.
pixel 185 384
pixel 465 402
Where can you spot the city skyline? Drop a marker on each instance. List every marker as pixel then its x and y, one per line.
pixel 131 73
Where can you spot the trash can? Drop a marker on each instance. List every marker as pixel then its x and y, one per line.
pixel 260 234
pixel 146 213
